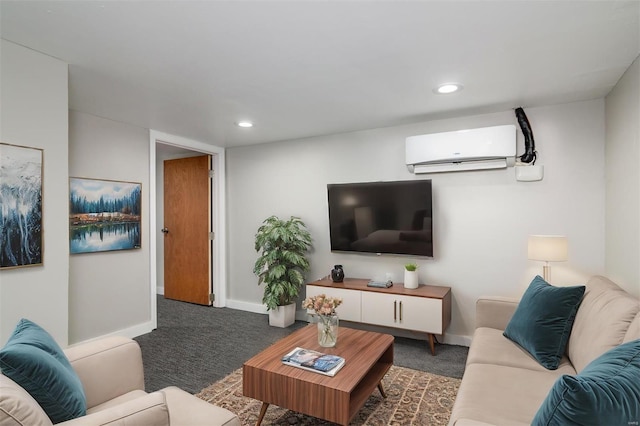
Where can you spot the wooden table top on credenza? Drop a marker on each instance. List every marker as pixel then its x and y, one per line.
pixel 368 356
pixel 431 291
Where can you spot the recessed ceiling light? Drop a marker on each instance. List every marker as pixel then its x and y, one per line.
pixel 244 124
pixel 446 88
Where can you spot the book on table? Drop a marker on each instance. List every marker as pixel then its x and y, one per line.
pixel 380 284
pixel 314 361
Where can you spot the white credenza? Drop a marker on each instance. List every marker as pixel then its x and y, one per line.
pixel 426 309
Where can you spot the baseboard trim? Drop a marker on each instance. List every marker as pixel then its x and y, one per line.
pixel 240 305
pixel 130 332
pixel 256 308
pixel 456 339
pixel 160 290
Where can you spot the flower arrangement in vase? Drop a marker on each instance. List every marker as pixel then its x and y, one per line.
pixel 325 310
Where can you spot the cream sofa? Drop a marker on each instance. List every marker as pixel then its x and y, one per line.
pixel 504 385
pixel 111 373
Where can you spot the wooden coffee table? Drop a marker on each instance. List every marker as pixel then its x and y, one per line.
pixel 337 399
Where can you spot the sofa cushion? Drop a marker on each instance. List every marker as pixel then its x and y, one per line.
pixel 33 360
pixel 500 395
pixel 543 319
pixel 605 314
pixel 607 391
pixel 147 409
pixel 17 407
pixel 489 346
pixel 118 400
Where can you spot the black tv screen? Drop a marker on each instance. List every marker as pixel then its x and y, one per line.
pixel 381 217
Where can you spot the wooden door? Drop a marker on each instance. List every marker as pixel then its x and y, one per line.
pixel 187 225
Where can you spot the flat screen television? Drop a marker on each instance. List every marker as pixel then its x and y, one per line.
pixel 381 217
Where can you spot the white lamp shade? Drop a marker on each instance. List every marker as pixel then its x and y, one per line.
pixel 549 248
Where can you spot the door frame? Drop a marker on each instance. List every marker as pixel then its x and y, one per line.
pixel 218 213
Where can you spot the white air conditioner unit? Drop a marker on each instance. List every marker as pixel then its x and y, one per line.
pixel 474 149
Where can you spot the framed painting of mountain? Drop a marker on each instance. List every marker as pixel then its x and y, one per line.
pixel 104 215
pixel 20 206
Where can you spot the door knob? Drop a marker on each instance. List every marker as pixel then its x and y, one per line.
pixel 164 230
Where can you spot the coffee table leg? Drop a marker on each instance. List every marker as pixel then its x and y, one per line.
pixel 384 395
pixel 263 411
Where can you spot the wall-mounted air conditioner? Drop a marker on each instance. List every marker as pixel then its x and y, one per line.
pixel 474 149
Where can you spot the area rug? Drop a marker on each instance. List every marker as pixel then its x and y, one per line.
pixel 413 398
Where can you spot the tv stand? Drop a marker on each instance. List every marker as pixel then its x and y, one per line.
pixel 426 309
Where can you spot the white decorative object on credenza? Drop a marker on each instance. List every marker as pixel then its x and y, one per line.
pixel 548 248
pixel 411 276
pixel 411 279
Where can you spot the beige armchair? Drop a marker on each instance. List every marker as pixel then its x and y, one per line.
pixel 112 376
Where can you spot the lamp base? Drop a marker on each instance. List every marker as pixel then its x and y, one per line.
pixel 545 273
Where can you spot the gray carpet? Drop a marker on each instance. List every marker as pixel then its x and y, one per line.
pixel 195 346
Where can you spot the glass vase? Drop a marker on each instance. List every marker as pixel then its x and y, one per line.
pixel 327 330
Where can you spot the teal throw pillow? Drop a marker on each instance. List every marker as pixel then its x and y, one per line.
pixel 543 320
pixel 606 392
pixel 32 359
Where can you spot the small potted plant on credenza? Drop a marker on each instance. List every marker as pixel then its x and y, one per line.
pixel 411 276
pixel 281 246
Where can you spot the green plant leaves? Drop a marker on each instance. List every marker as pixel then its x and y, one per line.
pixel 411 266
pixel 281 247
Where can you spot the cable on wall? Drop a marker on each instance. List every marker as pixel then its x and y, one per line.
pixel 530 153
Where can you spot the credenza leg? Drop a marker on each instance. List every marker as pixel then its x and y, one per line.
pixel 384 395
pixel 432 344
pixel 263 411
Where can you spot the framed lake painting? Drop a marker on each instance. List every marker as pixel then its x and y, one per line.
pixel 104 215
pixel 20 206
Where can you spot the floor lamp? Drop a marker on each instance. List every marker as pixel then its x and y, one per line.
pixel 547 248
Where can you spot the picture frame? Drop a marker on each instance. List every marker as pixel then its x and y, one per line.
pixel 104 215
pixel 21 198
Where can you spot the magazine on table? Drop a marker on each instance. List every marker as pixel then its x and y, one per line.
pixel 314 361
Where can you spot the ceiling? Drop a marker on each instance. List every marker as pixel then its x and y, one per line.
pixel 309 68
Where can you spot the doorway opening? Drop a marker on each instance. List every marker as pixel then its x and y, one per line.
pixel 161 147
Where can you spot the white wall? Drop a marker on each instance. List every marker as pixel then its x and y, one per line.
pixel 34 102
pixel 109 291
pixel 623 181
pixel 481 219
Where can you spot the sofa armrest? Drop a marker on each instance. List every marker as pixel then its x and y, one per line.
pixel 107 367
pixel 150 409
pixel 187 409
pixel 495 312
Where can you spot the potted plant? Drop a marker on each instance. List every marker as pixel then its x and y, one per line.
pixel 411 276
pixel 281 246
